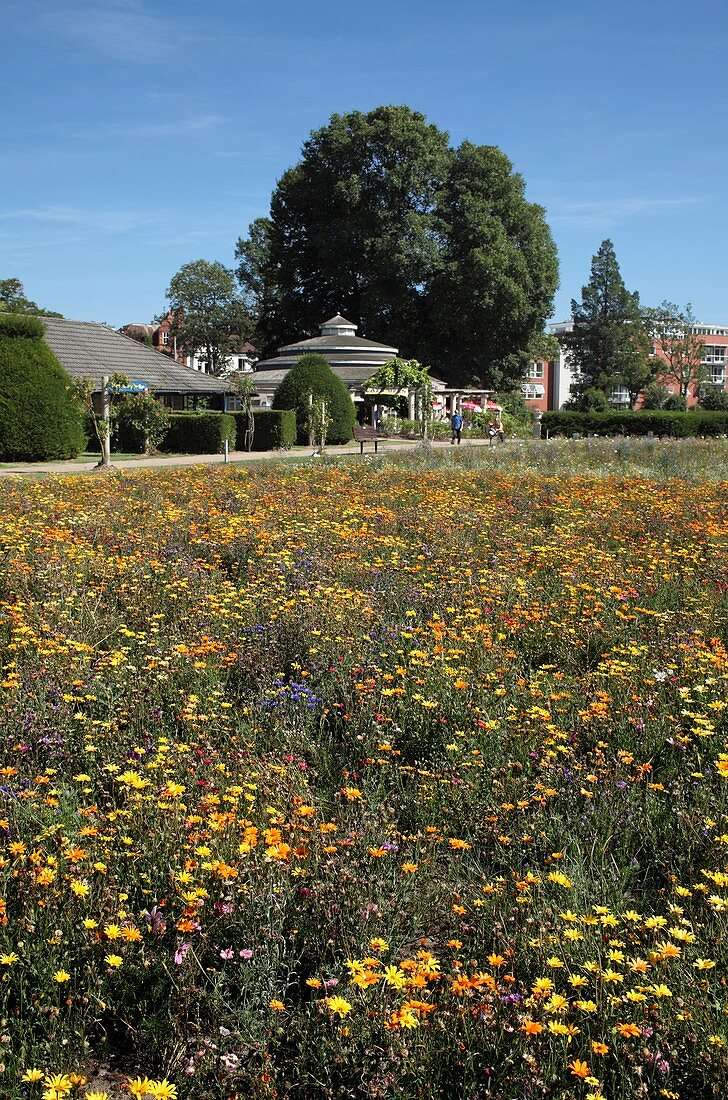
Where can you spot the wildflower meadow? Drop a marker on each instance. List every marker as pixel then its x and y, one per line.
pixel 379 779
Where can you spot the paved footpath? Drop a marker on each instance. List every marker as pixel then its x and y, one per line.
pixel 163 461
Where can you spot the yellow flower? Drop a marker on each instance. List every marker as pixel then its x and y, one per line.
pixel 277 1006
pixel 96 1095
pixel 138 1086
pixel 61 976
pixel 32 1075
pixel 162 1090
pixel 58 1082
pixel 8 960
pixel 395 977
pixel 113 960
pixel 337 1005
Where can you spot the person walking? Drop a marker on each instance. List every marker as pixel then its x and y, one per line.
pixel 456 424
pixel 496 430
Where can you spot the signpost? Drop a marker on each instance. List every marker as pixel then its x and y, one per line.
pixel 131 387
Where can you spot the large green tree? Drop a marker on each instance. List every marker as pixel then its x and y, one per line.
pixel 497 272
pixel 608 346
pixel 677 343
pixel 209 318
pixel 431 249
pixel 13 300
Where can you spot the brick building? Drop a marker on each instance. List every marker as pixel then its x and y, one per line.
pixel 159 336
pixel 548 384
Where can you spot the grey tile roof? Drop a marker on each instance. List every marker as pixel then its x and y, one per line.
pixel 353 374
pixel 331 343
pixel 90 350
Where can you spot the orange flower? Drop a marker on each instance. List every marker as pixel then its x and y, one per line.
pixel 531 1027
pixel 578 1069
pixel 627 1030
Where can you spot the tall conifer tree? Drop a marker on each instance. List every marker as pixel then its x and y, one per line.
pixel 608 346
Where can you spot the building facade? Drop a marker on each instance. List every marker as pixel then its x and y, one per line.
pixel 548 385
pixel 159 336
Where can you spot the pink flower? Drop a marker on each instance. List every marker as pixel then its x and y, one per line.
pixel 227 953
pixel 246 953
pixel 180 953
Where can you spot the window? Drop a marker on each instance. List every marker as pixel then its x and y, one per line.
pixel 714 353
pixel 532 391
pixel 537 370
pixel 717 375
pixel 619 396
pixel 165 339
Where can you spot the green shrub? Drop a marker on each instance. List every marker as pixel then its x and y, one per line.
pixel 14 324
pixel 654 396
pixel 313 375
pixel 142 423
pixel 714 399
pixel 274 428
pixel 39 419
pixel 199 433
pixel 659 422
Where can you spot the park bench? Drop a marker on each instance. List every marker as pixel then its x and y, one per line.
pixel 363 434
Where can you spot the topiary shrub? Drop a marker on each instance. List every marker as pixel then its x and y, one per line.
pixel 312 375
pixel 274 428
pixel 199 433
pixel 39 418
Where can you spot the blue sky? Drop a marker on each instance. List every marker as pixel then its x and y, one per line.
pixel 138 135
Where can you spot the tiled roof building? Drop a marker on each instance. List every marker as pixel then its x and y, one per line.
pixel 89 350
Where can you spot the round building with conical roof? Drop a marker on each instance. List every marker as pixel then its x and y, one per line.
pixel 351 357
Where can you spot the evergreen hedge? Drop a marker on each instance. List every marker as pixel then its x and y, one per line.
pixel 659 422
pixel 274 428
pixel 313 375
pixel 199 433
pixel 39 419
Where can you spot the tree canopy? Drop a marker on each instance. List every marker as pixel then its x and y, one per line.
pixel 13 300
pixel 209 319
pixel 673 331
pixel 608 346
pixel 429 248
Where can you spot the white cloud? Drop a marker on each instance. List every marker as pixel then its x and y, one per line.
pixel 105 221
pixel 605 213
pixel 120 29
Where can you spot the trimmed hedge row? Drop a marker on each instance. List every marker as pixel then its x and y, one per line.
pixel 274 428
pixel 676 425
pixel 199 433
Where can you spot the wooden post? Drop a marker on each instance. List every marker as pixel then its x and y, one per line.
pixel 105 440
